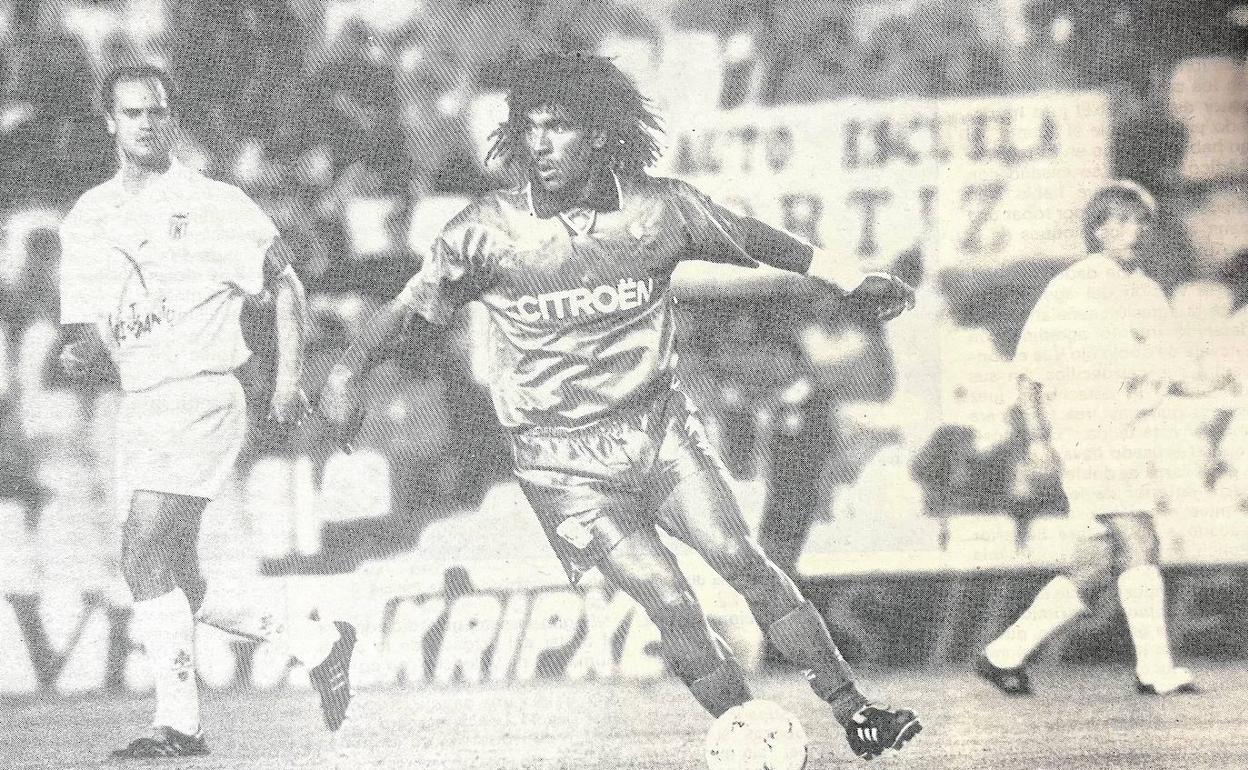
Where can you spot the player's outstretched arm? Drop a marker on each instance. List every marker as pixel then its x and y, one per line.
pixel 878 295
pixel 720 235
pixel 290 324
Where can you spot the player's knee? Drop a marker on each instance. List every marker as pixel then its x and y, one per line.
pixel 674 608
pixel 1091 580
pixel 1138 552
pixel 147 553
pixel 738 560
pixel 1136 544
pixel 756 577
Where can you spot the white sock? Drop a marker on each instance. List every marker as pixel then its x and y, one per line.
pixel 1143 596
pixel 265 619
pixel 165 627
pixel 1056 605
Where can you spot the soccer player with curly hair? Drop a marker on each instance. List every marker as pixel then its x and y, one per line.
pixel 574 265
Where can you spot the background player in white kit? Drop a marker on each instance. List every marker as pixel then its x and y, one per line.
pixel 156 265
pixel 1094 365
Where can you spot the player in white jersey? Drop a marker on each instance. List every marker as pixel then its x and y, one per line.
pixel 156 265
pixel 1093 367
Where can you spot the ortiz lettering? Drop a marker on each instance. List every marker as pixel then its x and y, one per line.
pixel 134 323
pixel 574 303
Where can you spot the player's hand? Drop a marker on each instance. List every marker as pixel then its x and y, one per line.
pixel 289 405
pixel 882 296
pixel 339 403
pixel 287 409
pixel 77 359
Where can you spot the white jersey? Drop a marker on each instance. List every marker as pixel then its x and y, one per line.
pixel 1098 341
pixel 164 272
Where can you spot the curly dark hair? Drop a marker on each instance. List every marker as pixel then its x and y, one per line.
pixel 591 92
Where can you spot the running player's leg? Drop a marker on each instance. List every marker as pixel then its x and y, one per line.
pixel 260 615
pixel 1141 591
pixel 151 546
pixel 1060 601
pixel 644 568
pixel 702 512
pixel 187 574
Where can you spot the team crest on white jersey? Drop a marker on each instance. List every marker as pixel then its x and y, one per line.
pixel 177 226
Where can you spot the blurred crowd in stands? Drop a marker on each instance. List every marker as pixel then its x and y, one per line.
pixel 357 124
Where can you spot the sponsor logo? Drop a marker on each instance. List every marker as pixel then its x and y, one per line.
pixel 578 302
pixel 135 321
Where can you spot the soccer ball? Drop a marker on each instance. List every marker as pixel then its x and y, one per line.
pixel 757 735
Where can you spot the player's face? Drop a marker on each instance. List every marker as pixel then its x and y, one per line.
pixel 140 122
pixel 561 151
pixel 1121 232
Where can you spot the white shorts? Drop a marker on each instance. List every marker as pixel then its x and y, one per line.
pixel 1106 468
pixel 180 437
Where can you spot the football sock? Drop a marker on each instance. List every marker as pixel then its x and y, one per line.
pixel 308 641
pixel 721 689
pixel 166 629
pixel 802 638
pixel 1056 605
pixel 1142 594
pixel 846 702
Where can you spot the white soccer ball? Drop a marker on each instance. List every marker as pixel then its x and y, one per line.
pixel 757 735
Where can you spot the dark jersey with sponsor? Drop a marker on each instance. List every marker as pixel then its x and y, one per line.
pixel 582 318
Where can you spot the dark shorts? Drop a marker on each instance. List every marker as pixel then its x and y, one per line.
pixel 594 485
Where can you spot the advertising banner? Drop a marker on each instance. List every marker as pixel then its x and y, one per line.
pixel 981 183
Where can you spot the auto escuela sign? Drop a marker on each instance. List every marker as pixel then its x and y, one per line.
pixel 980 182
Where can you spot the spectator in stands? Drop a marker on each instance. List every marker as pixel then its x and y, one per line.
pixel 34 295
pixel 49 145
pixel 833 357
pixel 1043 60
pixel 580 25
pixel 814 59
pixel 355 105
pixel 959 61
pixel 938 51
pixel 891 63
pixel 1149 144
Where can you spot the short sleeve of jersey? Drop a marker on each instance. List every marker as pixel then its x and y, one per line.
pixel 457 271
pixel 81 272
pixel 251 233
pixel 1059 338
pixel 718 235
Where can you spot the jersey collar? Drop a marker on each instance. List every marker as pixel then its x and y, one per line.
pixel 602 197
pixel 175 174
